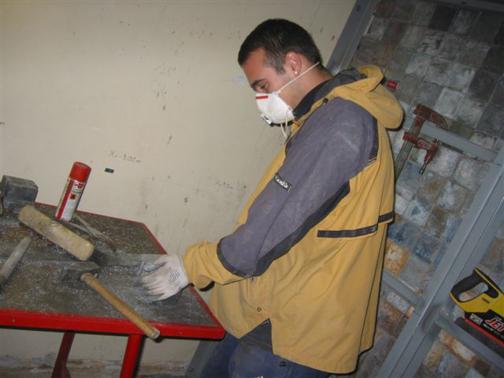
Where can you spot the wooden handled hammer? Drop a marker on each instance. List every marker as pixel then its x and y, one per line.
pixel 87 272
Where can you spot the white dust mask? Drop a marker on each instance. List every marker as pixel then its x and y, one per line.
pixel 274 110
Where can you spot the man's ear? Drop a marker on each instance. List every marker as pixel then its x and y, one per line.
pixel 293 63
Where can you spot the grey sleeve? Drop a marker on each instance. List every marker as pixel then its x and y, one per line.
pixel 333 145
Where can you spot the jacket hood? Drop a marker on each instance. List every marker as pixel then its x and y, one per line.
pixel 372 96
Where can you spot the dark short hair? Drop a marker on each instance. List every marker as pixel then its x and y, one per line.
pixel 278 37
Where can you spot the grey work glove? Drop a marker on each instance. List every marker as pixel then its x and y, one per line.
pixel 167 278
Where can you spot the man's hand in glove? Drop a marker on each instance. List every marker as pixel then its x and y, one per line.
pixel 167 278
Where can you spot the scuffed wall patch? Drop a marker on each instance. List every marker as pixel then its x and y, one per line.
pixel 124 156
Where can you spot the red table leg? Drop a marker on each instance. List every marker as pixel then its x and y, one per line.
pixel 60 369
pixel 131 356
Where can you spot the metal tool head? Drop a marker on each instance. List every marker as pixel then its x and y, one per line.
pixel 123 261
pixel 17 192
pixel 72 272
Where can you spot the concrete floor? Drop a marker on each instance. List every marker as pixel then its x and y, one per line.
pixel 80 372
pixel 45 373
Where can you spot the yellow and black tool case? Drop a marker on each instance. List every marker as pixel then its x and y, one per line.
pixel 483 303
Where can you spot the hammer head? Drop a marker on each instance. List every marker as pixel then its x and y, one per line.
pixel 17 192
pixel 72 273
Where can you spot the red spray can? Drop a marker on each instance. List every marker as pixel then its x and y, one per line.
pixel 73 191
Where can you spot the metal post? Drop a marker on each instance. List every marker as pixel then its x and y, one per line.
pixel 349 39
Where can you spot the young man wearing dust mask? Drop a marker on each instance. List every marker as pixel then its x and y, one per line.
pixel 297 282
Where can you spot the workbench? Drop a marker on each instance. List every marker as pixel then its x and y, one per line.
pixel 36 298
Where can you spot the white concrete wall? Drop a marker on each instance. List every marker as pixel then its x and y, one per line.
pixel 152 90
pixel 2 91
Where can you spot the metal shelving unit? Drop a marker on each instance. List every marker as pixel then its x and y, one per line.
pixel 472 240
pixel 443 321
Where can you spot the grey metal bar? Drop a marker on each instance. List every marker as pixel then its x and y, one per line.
pixel 471 342
pixel 458 142
pixel 423 349
pixel 476 4
pixel 349 39
pixel 486 241
pixel 405 355
pixel 400 287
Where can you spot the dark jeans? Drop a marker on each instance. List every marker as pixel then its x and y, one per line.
pixel 235 358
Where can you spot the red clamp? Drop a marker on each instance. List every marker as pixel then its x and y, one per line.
pixel 412 139
pixel 422 144
pixel 392 85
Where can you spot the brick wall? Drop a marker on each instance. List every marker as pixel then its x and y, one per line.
pixel 452 60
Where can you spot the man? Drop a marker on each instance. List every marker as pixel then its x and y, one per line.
pixel 297 282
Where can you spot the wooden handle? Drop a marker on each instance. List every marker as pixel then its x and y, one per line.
pixel 56 232
pixel 120 306
pixel 14 259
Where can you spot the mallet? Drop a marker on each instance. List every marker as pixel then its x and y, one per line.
pixel 56 232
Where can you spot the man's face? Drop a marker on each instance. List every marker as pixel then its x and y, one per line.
pixel 263 78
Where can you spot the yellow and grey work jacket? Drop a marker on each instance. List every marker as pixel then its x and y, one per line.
pixel 308 250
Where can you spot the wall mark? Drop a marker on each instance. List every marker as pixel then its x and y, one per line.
pixel 124 156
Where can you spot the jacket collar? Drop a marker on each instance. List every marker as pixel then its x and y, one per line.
pixel 321 90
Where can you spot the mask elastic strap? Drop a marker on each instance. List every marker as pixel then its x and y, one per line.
pixel 283 127
pixel 297 77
